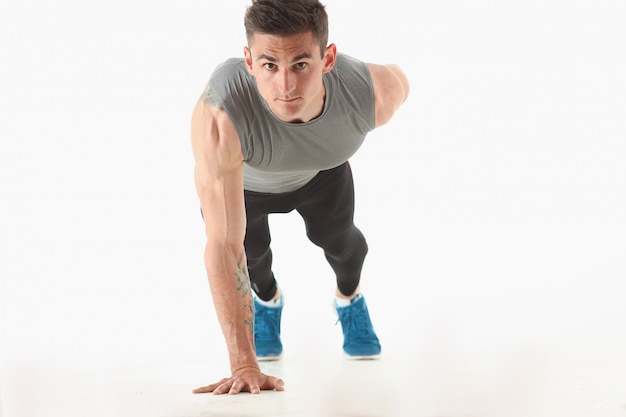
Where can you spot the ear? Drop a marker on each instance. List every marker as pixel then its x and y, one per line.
pixel 248 58
pixel 330 57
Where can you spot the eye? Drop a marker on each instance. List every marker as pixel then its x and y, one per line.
pixel 269 66
pixel 301 65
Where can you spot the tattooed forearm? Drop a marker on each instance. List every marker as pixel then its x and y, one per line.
pixel 243 287
pixel 209 97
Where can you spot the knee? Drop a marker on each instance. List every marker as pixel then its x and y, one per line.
pixel 337 241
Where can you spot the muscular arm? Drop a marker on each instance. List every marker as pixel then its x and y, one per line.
pixel 391 89
pixel 219 183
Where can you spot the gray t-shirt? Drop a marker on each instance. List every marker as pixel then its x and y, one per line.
pixel 280 156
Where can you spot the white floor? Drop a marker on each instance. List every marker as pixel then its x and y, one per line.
pixel 482 358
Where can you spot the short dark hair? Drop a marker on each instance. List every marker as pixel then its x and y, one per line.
pixel 287 17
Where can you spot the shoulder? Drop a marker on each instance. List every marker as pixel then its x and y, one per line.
pixel 349 68
pixel 391 89
pixel 215 141
pixel 230 78
pixel 350 89
pixel 229 68
pixel 232 88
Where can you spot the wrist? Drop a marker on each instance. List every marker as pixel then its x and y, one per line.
pixel 244 369
pixel 242 361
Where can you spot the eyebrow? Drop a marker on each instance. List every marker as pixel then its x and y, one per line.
pixel 297 58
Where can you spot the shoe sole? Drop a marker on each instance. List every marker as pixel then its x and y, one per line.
pixel 268 358
pixel 362 357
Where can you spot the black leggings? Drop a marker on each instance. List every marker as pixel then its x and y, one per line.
pixel 326 204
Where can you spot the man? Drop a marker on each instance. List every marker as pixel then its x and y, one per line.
pixel 273 133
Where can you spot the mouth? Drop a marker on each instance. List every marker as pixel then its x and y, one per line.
pixel 287 100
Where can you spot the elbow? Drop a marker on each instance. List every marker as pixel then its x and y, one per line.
pixel 220 250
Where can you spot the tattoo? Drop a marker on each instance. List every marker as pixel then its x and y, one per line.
pixel 210 97
pixel 243 287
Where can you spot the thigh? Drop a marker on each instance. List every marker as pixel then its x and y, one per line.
pixel 258 208
pixel 328 207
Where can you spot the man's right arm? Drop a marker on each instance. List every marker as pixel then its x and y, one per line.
pixel 219 183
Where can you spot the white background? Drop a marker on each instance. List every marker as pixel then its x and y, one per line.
pixel 493 203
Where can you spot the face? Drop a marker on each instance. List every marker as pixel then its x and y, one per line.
pixel 288 72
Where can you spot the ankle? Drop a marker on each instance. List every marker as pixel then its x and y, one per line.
pixel 273 302
pixel 343 301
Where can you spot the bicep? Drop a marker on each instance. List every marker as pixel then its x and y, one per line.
pixel 391 89
pixel 218 175
pixel 223 207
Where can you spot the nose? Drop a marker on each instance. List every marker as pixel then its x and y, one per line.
pixel 286 82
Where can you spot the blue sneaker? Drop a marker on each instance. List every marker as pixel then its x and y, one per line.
pixel 267 331
pixel 359 339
